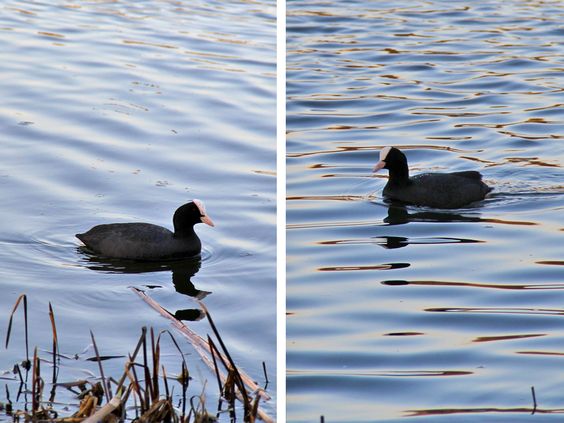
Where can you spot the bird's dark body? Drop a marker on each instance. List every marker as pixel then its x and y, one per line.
pixel 142 241
pixel 437 190
pixel 434 190
pixel 145 241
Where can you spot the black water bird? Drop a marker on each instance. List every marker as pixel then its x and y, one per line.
pixel 437 190
pixel 145 241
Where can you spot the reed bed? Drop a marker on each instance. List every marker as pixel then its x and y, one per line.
pixel 144 392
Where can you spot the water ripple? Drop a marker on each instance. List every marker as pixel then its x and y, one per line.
pixel 458 86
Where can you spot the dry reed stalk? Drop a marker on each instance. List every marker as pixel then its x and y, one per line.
pixel 124 400
pixel 232 366
pixel 159 411
pixel 183 378
pixel 8 406
pixel 87 407
pixel 107 388
pixel 192 336
pixel 244 378
pixel 201 414
pixel 156 352
pixel 105 411
pixel 201 347
pixel 55 353
pixel 198 342
pixel 129 364
pixel 184 381
pixel 35 384
pixel 81 384
pixel 147 376
pixel 134 382
pixel 215 354
pixel 27 363
pixel 255 408
pixel 167 392
pixel 259 412
pixel 153 409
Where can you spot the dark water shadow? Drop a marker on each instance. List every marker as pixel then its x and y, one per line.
pixel 398 214
pixel 182 273
pixel 393 242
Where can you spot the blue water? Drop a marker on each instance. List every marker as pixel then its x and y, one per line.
pixel 408 313
pixel 123 111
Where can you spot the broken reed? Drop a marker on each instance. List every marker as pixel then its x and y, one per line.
pixel 150 404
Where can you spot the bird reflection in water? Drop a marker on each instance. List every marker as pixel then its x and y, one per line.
pixel 182 273
pixel 399 215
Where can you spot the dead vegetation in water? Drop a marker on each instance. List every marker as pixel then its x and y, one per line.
pixel 144 389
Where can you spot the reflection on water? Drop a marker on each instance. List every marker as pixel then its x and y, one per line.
pixel 182 272
pixel 384 299
pixel 399 215
pixel 399 242
pixel 474 285
pixel 489 411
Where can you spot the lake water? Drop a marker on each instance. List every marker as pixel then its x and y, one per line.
pixel 407 313
pixel 122 111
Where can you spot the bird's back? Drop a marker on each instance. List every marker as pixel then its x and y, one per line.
pixel 440 190
pixel 137 241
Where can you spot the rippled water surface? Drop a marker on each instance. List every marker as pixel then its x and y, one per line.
pixel 116 111
pixel 408 313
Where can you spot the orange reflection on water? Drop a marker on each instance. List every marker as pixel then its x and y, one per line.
pixel 499 310
pixel 444 411
pixel 476 285
pixel 389 266
pixel 506 337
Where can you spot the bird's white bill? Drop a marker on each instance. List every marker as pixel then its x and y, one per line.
pixel 379 165
pixel 206 219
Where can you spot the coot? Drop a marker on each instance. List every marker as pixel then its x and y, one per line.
pixel 438 190
pixel 145 241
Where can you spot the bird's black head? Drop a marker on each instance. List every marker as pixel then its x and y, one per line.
pixel 186 216
pixel 395 161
